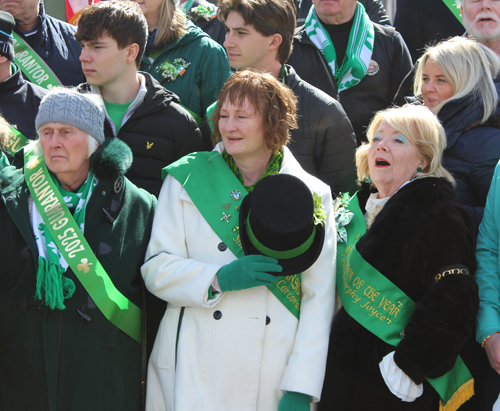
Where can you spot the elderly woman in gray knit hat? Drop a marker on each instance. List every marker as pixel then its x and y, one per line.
pixel 74 235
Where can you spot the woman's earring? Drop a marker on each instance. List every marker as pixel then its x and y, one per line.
pixel 368 180
pixel 419 170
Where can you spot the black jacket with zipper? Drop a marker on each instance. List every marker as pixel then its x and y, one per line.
pixel 324 143
pixel 373 92
pixel 159 132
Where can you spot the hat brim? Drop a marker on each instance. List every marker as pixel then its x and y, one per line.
pixel 290 266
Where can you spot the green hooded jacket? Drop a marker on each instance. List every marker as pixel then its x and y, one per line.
pixel 206 72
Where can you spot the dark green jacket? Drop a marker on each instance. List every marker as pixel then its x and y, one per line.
pixel 207 72
pixel 53 359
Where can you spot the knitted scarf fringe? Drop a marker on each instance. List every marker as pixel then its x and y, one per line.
pixel 52 287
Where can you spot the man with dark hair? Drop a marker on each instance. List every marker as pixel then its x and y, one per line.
pixel 19 99
pixel 46 37
pixel 259 36
pixel 139 110
pixel 358 62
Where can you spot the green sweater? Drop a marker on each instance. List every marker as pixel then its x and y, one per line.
pixel 207 72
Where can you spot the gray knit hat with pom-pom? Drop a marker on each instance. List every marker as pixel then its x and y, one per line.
pixel 82 110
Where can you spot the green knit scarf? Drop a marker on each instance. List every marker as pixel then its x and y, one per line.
pixel 52 287
pixel 359 48
pixel 273 167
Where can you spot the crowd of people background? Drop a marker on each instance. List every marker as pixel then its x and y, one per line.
pixel 250 205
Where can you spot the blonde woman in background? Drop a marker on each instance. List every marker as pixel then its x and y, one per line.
pixel 183 58
pixel 456 81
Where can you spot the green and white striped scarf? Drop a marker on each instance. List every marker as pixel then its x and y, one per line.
pixel 359 48
pixel 52 286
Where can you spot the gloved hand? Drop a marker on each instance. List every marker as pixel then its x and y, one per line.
pixel 295 401
pixel 247 272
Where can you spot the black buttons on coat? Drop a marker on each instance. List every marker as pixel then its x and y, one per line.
pixel 222 247
pixel 218 316
pixel 25 252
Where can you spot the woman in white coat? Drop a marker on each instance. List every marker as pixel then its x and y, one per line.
pixel 231 338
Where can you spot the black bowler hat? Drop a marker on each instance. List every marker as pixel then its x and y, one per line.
pixel 7 23
pixel 277 220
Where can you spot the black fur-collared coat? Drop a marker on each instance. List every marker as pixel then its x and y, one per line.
pixel 418 234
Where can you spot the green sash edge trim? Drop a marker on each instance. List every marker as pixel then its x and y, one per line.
pixel 369 284
pixel 196 117
pixel 283 255
pixel 71 242
pixel 32 65
pixel 452 5
pixel 16 141
pixel 205 175
pixel 210 111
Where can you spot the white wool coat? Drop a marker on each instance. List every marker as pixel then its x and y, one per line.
pixel 241 350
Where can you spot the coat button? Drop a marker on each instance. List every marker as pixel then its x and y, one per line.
pixel 217 315
pixel 222 247
pixel 118 184
pixel 268 320
pixel 25 252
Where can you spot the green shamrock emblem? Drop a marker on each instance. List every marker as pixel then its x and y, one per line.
pixel 84 266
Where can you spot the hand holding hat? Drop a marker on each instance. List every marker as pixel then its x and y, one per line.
pixel 247 272
pixel 283 219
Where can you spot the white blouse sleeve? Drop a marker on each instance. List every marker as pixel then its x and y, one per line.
pixel 397 381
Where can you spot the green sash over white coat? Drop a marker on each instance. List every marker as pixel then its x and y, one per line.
pixel 206 175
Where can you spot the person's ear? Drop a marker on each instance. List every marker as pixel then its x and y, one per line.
pixel 424 163
pixel 132 51
pixel 276 40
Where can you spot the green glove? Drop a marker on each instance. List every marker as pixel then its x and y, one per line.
pixel 295 401
pixel 247 272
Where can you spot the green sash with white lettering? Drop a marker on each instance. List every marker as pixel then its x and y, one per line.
pixel 452 5
pixel 33 67
pixel 16 141
pixel 209 182
pixel 75 249
pixel 384 310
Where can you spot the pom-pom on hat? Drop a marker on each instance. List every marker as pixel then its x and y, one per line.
pixel 277 220
pixel 67 106
pixel 7 23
